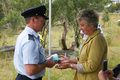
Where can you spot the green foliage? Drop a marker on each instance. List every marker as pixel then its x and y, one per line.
pixel 69 9
pixel 113 7
pixel 13 9
pixel 12 20
pixel 1 12
pixel 2 24
pixel 105 16
pixel 63 9
pixel 118 5
pixel 21 5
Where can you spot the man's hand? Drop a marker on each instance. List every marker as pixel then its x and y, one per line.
pixel 50 63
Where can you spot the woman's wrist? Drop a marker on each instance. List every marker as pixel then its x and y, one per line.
pixel 73 61
pixel 71 66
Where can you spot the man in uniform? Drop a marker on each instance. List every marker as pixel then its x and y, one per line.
pixel 29 58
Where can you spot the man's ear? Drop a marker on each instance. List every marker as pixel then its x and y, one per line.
pixel 32 19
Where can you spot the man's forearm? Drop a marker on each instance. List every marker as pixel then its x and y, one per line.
pixel 32 69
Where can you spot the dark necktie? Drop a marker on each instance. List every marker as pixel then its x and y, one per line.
pixel 38 38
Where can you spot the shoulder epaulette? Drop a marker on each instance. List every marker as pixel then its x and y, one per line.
pixel 30 37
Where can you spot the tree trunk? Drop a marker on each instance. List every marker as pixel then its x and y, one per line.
pixel 11 48
pixel 77 36
pixel 64 47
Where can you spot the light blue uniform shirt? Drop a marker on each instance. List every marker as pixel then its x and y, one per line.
pixel 28 51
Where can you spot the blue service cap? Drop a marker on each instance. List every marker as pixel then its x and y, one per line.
pixel 35 11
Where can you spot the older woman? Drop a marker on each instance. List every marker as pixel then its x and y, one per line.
pixel 93 50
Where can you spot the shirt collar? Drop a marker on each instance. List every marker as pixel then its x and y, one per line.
pixel 31 31
pixel 89 38
pixel 95 33
pixel 92 36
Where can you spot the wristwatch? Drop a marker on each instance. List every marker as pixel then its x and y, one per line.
pixel 71 65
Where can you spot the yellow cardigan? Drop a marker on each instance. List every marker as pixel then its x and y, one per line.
pixel 91 56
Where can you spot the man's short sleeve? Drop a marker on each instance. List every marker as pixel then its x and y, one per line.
pixel 30 53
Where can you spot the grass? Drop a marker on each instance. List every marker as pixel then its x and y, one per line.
pixel 57 74
pixel 111 32
pixel 113 57
pixel 7 71
pixel 7 37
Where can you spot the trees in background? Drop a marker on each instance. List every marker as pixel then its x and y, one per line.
pixel 105 16
pixel 63 11
pixel 12 10
pixel 1 11
pixel 67 11
pixel 118 5
pixel 113 8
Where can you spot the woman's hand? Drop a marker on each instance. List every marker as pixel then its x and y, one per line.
pixel 64 60
pixel 63 66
